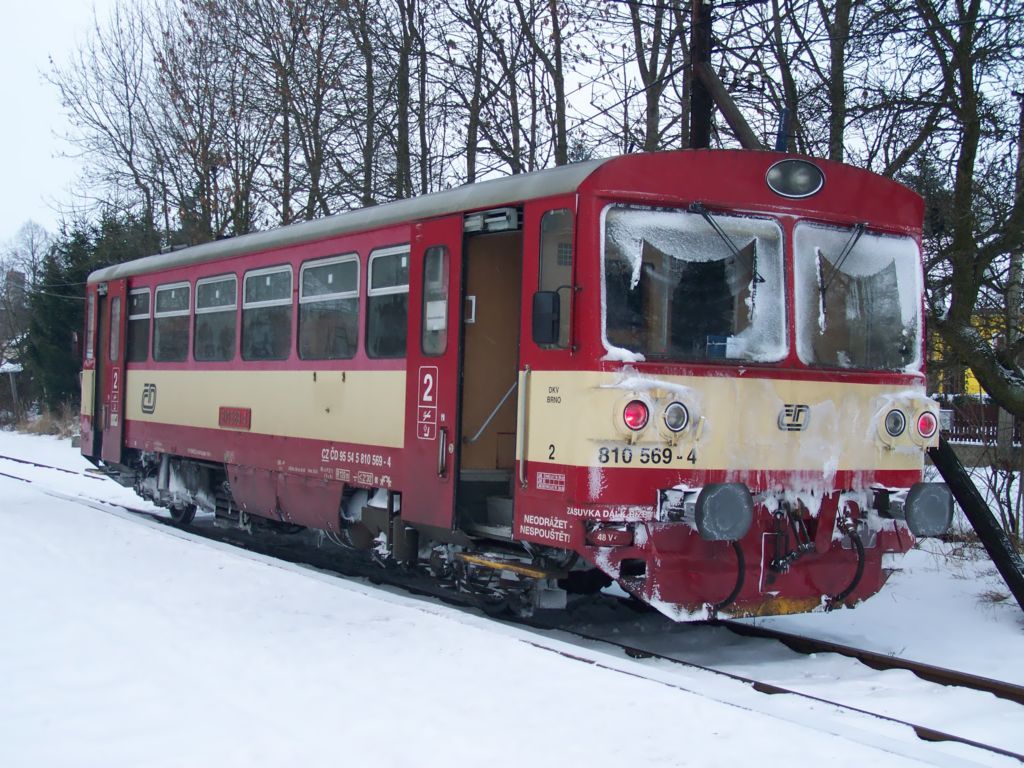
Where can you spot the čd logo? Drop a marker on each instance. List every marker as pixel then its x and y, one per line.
pixel 149 398
pixel 794 417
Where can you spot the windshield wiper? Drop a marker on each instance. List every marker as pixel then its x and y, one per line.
pixel 746 256
pixel 858 230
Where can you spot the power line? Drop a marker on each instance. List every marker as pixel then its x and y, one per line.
pixel 58 295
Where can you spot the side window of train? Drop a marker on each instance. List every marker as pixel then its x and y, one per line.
pixel 216 318
pixel 90 327
pixel 387 302
pixel 435 300
pixel 556 232
pixel 329 308
pixel 138 325
pixel 113 352
pixel 170 322
pixel 267 314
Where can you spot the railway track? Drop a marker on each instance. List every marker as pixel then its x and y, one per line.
pixel 16 460
pixel 881 661
pixel 923 732
pixel 308 550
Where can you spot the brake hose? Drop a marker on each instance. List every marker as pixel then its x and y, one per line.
pixel 741 566
pixel 858 545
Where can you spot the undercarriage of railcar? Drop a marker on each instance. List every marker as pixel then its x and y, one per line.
pixel 717 550
pixel 499 573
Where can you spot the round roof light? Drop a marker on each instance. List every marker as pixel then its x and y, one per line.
pixel 635 415
pixel 895 423
pixel 676 417
pixel 795 178
pixel 927 424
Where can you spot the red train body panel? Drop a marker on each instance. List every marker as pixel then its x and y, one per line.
pixel 701 382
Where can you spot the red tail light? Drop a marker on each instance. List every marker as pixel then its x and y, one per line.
pixel 635 415
pixel 927 424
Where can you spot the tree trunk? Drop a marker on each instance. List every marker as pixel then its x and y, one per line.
pixel 839 33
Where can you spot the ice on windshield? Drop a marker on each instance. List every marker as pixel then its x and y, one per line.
pixel 861 311
pixel 675 289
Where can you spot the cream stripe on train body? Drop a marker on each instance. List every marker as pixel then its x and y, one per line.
pixel 365 408
pixel 88 391
pixel 578 413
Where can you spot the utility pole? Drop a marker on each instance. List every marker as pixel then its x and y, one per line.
pixel 702 103
pixel 707 91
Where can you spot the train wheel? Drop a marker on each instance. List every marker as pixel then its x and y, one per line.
pixel 183 515
pixel 494 606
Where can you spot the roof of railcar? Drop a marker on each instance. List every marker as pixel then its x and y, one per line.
pixel 485 194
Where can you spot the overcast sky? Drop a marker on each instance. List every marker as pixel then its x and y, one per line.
pixel 36 179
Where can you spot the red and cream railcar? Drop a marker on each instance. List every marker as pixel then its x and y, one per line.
pixel 697 373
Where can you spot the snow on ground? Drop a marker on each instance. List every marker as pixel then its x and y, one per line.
pixel 946 605
pixel 938 609
pixel 126 643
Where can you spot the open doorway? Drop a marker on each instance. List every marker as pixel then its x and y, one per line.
pixel 490 371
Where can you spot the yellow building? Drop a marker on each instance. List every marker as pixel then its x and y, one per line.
pixel 948 377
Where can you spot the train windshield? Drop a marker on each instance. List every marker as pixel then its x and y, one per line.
pixel 682 285
pixel 858 298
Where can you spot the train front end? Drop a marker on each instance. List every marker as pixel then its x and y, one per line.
pixel 745 434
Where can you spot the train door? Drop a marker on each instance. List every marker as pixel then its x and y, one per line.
pixel 91 431
pixel 432 383
pixel 110 354
pixel 493 264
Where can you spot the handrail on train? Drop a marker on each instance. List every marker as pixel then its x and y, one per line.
pixel 522 427
pixel 489 419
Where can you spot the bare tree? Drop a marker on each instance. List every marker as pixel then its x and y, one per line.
pixel 544 24
pixel 21 263
pixel 503 119
pixel 360 106
pixel 104 88
pixel 655 36
pixel 975 46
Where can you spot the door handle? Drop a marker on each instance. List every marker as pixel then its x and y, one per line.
pixel 442 451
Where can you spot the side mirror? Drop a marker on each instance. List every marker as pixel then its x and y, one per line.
pixel 547 316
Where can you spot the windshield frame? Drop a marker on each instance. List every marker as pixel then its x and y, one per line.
pixel 809 304
pixel 771 319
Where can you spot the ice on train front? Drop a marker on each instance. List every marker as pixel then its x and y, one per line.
pixel 751 439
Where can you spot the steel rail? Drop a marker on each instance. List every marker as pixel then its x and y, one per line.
pixel 880 661
pixel 923 732
pixel 50 466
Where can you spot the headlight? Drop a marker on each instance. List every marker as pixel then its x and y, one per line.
pixel 676 417
pixel 895 423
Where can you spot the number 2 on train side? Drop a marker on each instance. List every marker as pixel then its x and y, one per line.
pixel 428 383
